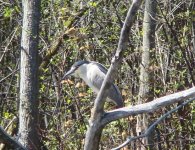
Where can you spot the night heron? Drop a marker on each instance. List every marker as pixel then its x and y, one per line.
pixel 93 73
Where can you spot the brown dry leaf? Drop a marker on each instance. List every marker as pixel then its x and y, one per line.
pixel 68 123
pixel 78 85
pixel 83 84
pixel 82 94
pixel 127 101
pixel 124 134
pixel 71 32
pixel 131 118
pixel 124 93
pixel 125 148
pixel 63 81
pixel 82 48
pixel 83 141
pixel 86 47
pixel 68 81
pixel 154 68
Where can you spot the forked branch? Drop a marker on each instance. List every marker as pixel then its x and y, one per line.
pixel 148 107
pixel 152 127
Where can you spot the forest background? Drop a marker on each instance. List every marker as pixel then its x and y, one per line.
pixel 90 30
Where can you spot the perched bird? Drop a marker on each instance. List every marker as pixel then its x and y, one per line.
pixel 93 73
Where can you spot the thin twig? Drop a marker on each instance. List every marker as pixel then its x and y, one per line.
pixel 9 75
pixel 6 48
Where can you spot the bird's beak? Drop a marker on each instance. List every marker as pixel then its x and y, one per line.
pixel 71 71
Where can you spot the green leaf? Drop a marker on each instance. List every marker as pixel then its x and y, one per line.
pixel 7 12
pixel 93 4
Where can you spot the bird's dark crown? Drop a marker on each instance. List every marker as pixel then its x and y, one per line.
pixel 79 63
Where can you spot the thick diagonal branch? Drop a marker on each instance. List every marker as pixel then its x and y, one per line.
pixel 94 131
pixel 116 61
pixel 148 107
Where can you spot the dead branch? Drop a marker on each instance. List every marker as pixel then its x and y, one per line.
pixel 148 107
pixel 152 127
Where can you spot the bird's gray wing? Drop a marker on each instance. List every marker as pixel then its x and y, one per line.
pixel 101 67
pixel 97 78
pixel 114 94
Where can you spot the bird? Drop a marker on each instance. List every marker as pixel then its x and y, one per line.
pixel 93 74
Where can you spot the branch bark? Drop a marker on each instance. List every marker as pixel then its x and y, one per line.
pixel 152 127
pixel 148 107
pixel 146 75
pixel 95 127
pixel 28 109
pixel 7 139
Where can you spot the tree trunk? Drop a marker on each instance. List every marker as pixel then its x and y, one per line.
pixel 148 47
pixel 28 109
pixel 193 26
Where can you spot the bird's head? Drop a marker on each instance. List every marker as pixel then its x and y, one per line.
pixel 75 69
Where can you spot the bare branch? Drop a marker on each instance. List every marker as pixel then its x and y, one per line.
pixel 148 107
pixel 9 75
pixel 5 138
pixel 100 100
pixel 95 129
pixel 58 40
pixel 152 127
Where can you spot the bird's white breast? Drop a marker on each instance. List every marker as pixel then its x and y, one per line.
pixel 87 73
pixel 93 70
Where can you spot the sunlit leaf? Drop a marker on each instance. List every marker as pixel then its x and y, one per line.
pixel 71 32
pixel 82 94
pixel 124 93
pixel 68 81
